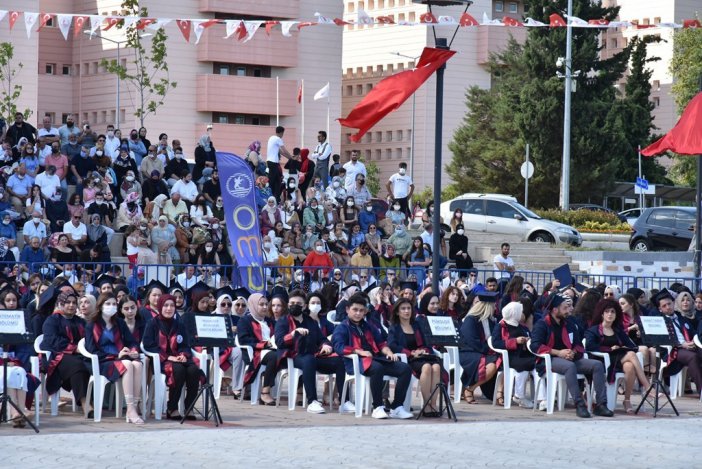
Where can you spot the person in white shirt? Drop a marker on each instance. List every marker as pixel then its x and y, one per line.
pixel 276 149
pixel 270 256
pixel 42 150
pixel 353 168
pixel 401 187
pixel 48 182
pixel 50 134
pixel 77 232
pixel 186 188
pixel 112 143
pixel 504 265
pixel 187 278
pixel 321 155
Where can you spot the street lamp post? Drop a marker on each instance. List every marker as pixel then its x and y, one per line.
pixel 565 174
pixel 414 109
pixel 441 43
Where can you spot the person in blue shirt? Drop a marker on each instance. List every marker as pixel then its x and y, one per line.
pixel 367 217
pixel 7 228
pixel 32 256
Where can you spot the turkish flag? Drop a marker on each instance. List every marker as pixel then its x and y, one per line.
pixel 507 21
pixel 601 22
pixel 143 23
pixel 556 21
pixel 391 92
pixel 299 94
pixel 184 26
pixel 43 19
pixel 340 22
pixel 269 26
pixel 305 24
pixel 13 18
pixel 428 18
pixel 241 32
pixel 692 24
pixel 385 20
pixel 686 137
pixel 78 22
pixel 468 20
pixel 111 22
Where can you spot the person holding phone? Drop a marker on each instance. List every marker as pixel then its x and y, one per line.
pixel 108 337
pixel 299 337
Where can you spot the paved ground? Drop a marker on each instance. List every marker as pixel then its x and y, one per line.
pixel 274 437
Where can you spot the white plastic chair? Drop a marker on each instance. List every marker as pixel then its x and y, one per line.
pixel 256 384
pixel 157 387
pixel 360 382
pixel 698 343
pixel 454 364
pixel 294 374
pixel 619 378
pixel 218 374
pixel 509 374
pixel 97 384
pixel 54 397
pixel 407 403
pixel 677 381
pixel 556 383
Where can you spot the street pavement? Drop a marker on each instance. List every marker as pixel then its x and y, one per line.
pixel 270 437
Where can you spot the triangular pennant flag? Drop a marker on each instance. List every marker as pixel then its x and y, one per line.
pixel 3 14
pixel 488 22
pixel 129 21
pixel 577 22
pixel 13 18
pixel 43 19
pixel 340 22
pixel 111 22
pixel 269 26
pixel 200 26
pixel 144 22
pixel 531 22
pixel 30 19
pixel 322 93
pixel 230 27
pixel 468 20
pixel 159 23
pixel 95 22
pixel 78 23
pixel 428 18
pixel 693 24
pixel 600 22
pixel 385 20
pixel 240 31
pixel 507 21
pixel 447 20
pixel 363 17
pixel 304 24
pixel 323 19
pixel 184 26
pixel 286 26
pixel 251 28
pixel 64 23
pixel 556 21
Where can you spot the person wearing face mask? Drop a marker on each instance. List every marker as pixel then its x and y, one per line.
pixel 59 161
pixel 353 168
pixel 349 213
pixel 130 185
pixel 175 167
pixel 262 191
pixel 19 187
pixel 389 261
pixel 136 147
pixel 269 216
pixel 336 190
pixel 286 261
pixel 200 212
pixel 401 240
pixel 205 160
pixel 150 163
pixel 367 218
pixel 292 195
pixel 48 182
pixel 314 215
pixel 400 187
pixel 395 214
pixel 458 250
pixel 81 167
pixel 153 187
pixel 359 191
pixel 207 255
pixel 112 143
pixel 31 161
pixel 105 209
pixel 300 338
pixel 270 257
pixel 71 148
pixel 218 211
pixel 129 212
pixel 108 337
pixel 184 239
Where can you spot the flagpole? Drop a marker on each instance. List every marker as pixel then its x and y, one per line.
pixel 277 101
pixel 328 112
pixel 302 99
pixel 641 192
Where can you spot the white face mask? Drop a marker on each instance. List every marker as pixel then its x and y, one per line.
pixel 6 222
pixel 315 308
pixel 350 203
pixel 219 204
pixel 402 171
pixel 36 219
pixel 130 178
pixel 109 310
pixel 215 226
pixel 396 207
pixel 178 156
pixel 460 232
pixel 291 185
pixel 369 209
pixel 286 250
pixel 186 224
pixel 208 249
pixel 110 134
pixel 335 183
pixel 319 249
pixel 268 245
pixel 98 152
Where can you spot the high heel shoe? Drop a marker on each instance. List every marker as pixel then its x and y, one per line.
pixel 136 420
pixel 265 402
pixel 627 406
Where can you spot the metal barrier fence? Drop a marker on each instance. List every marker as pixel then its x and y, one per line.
pixel 218 275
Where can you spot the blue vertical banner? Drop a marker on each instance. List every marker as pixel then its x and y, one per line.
pixel 237 183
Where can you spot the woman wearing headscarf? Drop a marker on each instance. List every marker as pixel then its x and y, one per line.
pixel 205 160
pixel 253 158
pixel 163 242
pixel 130 185
pixel 306 170
pixel 256 329
pixel 166 335
pixel 97 234
pixel 510 334
pixel 269 216
pixel 184 238
pixel 153 209
pixel 129 212
pixel 262 191
pixel 230 357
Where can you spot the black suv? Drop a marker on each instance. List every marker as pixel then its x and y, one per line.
pixel 663 229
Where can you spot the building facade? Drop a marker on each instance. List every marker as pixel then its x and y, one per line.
pixel 222 82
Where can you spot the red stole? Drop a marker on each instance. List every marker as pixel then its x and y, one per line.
pixel 98 329
pixel 70 349
pixel 166 338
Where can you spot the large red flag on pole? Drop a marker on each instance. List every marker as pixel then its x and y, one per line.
pixel 686 137
pixel 391 92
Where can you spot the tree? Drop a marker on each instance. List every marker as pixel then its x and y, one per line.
pixel 11 91
pixel 686 68
pixel 525 105
pixel 373 178
pixel 150 75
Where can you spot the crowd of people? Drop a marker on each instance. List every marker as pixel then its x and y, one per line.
pixel 344 278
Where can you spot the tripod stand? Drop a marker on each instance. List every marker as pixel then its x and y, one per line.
pixel 207 395
pixel 5 398
pixel 657 387
pixel 443 395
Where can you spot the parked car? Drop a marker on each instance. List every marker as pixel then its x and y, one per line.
pixel 631 215
pixel 597 208
pixel 663 229
pixel 502 214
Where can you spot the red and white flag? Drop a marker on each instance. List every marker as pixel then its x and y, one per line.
pixel 299 94
pixel 184 26
pixel 30 19
pixel 64 23
pixel 468 20
pixel 14 15
pixel 43 19
pixel 200 26
pixel 556 21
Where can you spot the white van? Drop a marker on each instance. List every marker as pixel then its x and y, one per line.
pixel 499 213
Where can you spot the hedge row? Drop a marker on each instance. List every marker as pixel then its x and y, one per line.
pixel 585 220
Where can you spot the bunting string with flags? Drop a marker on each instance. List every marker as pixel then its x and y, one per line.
pixel 245 29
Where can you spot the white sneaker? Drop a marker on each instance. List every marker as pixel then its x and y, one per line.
pixel 347 408
pixel 379 413
pixel 543 407
pixel 524 403
pixel 400 413
pixel 315 407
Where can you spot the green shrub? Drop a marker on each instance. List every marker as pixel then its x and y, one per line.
pixel 586 220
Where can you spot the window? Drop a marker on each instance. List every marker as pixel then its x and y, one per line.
pixel 657 101
pixel 388 153
pixel 50 69
pixel 646 21
pixel 95 68
pixel 351 7
pixel 257 72
pixel 399 135
pixel 657 20
pixel 684 220
pixel 499 7
pixel 368 154
pixel 613 43
pixel 255 120
pixel 241 71
pixel 398 153
pixel 378 154
pixel 513 7
pixel 64 117
pixel 657 85
pixel 500 210
pixel 411 17
pixel 66 70
pixel 378 137
pixel 349 90
pixel 51 23
pixel 359 90
pixel 239 120
pixel 222 119
pixel 388 135
pixel 221 69
pixel 369 87
pixel 104 116
pixel 86 69
pixel 368 138
pixel 663 217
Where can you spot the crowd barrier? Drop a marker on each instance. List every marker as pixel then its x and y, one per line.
pixel 215 275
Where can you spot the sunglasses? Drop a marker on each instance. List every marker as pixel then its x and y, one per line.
pixel 239 305
pixel 337 275
pixel 472 275
pixel 364 276
pixel 226 304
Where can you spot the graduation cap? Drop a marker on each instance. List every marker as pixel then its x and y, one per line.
pixel 370 287
pixel 47 300
pixel 225 291
pixel 352 283
pixel 557 299
pixel 199 287
pixel 280 292
pixel 661 295
pixel 411 285
pixel 102 280
pixel 175 287
pixel 635 292
pixel 241 292
pixel 487 296
pixel 143 292
pixel 9 288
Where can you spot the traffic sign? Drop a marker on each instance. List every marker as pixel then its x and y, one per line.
pixel 527 170
pixel 642 183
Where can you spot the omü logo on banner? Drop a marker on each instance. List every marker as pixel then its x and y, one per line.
pixel 237 183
